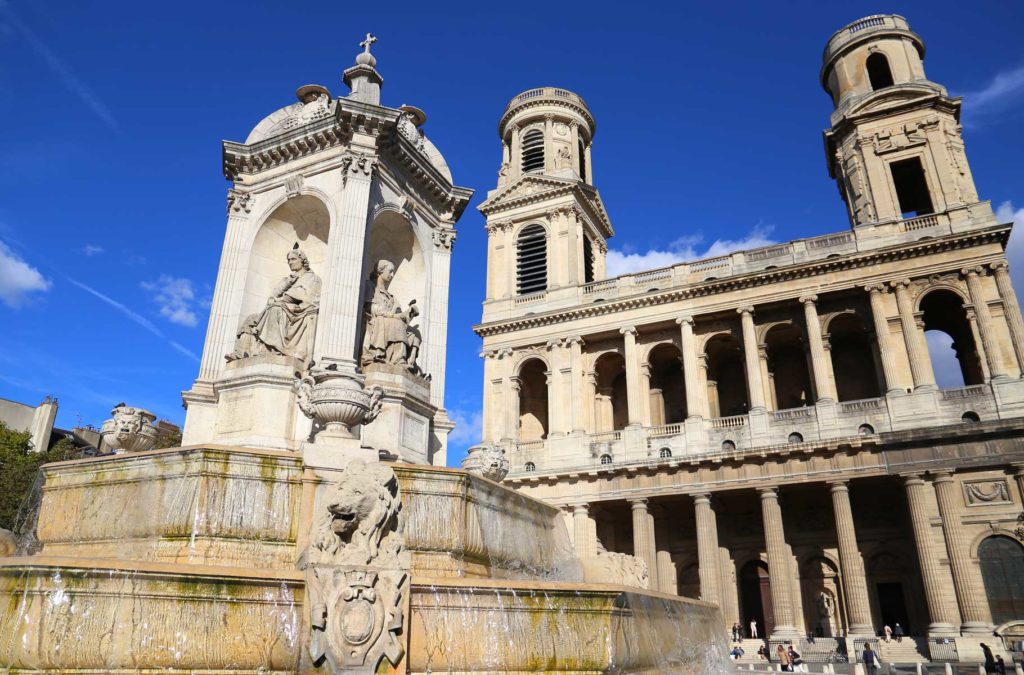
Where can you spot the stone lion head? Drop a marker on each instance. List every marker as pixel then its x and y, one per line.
pixel 360 511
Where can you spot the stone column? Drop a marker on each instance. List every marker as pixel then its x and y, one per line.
pixel 666 573
pixel 635 401
pixel 574 140
pixel 576 386
pixel 708 560
pixel 583 543
pixel 517 154
pixel 913 336
pixel 942 616
pixel 644 546
pixel 696 396
pixel 645 393
pixel 883 338
pixel 549 148
pixel 512 389
pixel 850 562
pixel 589 178
pixel 966 576
pixel 779 568
pixel 823 383
pixel 557 424
pixel 755 388
pixel 590 421
pixel 989 341
pixel 1011 310
pixel 341 304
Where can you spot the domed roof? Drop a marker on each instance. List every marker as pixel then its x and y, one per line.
pixel 314 104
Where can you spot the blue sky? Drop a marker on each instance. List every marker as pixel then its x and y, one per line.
pixel 709 137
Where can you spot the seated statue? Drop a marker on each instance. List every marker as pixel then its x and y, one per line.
pixel 389 337
pixel 287 325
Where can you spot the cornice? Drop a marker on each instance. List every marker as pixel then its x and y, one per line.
pixel 865 259
pixel 557 187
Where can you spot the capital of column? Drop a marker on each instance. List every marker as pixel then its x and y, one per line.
pixel 687 319
pixel 838 486
pixel 573 340
pixel 900 284
pixel 554 343
pixel 580 509
pixel 549 117
pixel 912 478
pixel 941 476
pixel 638 504
pixel 628 330
pixel 808 299
pixel 769 493
pixel 701 498
pixel 973 271
pixel 999 266
pixel 747 310
pixel 875 289
pixel 516 383
pixel 1018 469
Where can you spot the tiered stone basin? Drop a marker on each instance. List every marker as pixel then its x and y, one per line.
pixel 189 560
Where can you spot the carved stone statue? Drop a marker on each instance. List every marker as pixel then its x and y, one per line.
pixel 488 461
pixel 609 567
pixel 357 574
pixel 287 325
pixel 129 430
pixel 389 337
pixel 563 160
pixel 826 606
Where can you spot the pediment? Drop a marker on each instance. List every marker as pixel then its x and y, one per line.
pixel 891 98
pixel 532 187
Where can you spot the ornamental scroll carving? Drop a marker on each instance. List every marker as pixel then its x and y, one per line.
pixel 987 492
pixel 358 573
pixel 239 201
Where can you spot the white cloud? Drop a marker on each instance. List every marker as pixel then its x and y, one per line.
pixel 136 317
pixel 92 249
pixel 468 431
pixel 1004 89
pixel 18 278
pixel 1006 213
pixel 174 298
pixel 683 249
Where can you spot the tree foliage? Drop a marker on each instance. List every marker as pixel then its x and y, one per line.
pixel 18 468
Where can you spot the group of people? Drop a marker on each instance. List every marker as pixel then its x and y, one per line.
pixel 890 633
pixel 737 631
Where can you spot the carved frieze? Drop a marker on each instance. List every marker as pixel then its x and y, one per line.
pixel 981 492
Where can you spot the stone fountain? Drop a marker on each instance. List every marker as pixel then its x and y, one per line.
pixel 306 525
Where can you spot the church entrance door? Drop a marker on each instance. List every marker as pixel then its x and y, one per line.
pixel 756 598
pixel 892 606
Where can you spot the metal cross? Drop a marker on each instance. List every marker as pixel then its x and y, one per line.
pixel 365 44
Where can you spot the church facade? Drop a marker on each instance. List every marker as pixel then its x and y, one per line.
pixel 766 429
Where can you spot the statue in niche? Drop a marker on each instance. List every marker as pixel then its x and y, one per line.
pixel 826 614
pixel 287 325
pixel 390 338
pixel 563 160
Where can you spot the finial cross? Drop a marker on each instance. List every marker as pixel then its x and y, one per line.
pixel 365 44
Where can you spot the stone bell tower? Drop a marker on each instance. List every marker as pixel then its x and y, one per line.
pixel 547 227
pixel 894 146
pixel 329 316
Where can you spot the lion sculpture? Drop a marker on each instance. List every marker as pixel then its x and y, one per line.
pixel 360 522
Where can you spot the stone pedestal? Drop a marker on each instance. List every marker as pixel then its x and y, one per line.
pixel 403 426
pixel 253 405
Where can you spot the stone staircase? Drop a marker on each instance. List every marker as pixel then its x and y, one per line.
pixel 750 647
pixel 911 650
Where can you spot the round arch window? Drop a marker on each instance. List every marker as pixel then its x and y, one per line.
pixel 530 466
pixel 606 459
pixel 664 453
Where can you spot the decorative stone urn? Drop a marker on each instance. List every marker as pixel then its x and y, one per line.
pixel 488 461
pixel 337 401
pixel 129 430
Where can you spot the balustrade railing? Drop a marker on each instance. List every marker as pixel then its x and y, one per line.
pixel 964 392
pixel 729 422
pixel 862 405
pixel 665 430
pixel 792 414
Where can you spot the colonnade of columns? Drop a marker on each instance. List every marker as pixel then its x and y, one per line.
pixel 963 611
pixel 575 401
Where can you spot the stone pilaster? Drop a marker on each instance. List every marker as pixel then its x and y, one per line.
pixel 967 581
pixel 645 394
pixel 884 339
pixel 779 571
pixel 1011 310
pixel 913 336
pixel 512 389
pixel 942 616
pixel 850 562
pixel 989 341
pixel 590 422
pixel 644 546
pixel 708 561
pixel 558 424
pixel 823 382
pixel 584 544
pixel 516 169
pixel 635 402
pixel 576 388
pixel 696 396
pixel 755 388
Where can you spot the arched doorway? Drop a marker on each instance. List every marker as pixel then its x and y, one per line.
pixel 611 405
pixel 668 393
pixel 787 367
pixel 756 598
pixel 853 359
pixel 822 597
pixel 1002 569
pixel 947 328
pixel 533 401
pixel 887 576
pixel 727 382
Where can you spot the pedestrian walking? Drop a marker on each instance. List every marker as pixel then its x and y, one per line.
pixel 1000 665
pixel 870 659
pixel 888 634
pixel 753 628
pixel 898 632
pixel 782 656
pixel 794 659
pixel 990 660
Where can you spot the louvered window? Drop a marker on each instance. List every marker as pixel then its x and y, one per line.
pixel 583 161
pixel 588 260
pixel 532 260
pixel 533 151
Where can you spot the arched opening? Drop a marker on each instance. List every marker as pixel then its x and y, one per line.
pixel 664 453
pixel 796 437
pixel 821 597
pixel 533 151
pixel 582 150
pixel 728 446
pixel 588 259
pixel 787 367
pixel 853 359
pixel 303 220
pixel 756 598
pixel 950 339
pixel 668 393
pixel 970 417
pixel 611 411
pixel 1002 569
pixel 529 466
pixel 887 576
pixel 533 401
pixel 865 430
pixel 727 382
pixel 606 459
pixel 532 260
pixel 879 73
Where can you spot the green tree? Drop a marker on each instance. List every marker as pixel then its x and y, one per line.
pixel 18 468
